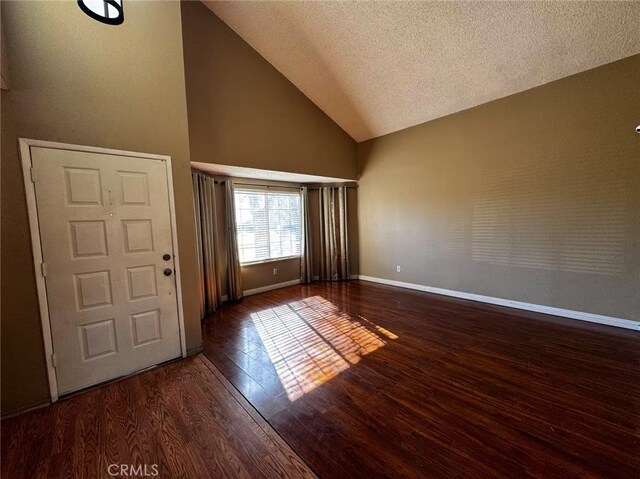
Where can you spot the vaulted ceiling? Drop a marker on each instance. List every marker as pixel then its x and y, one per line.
pixel 379 67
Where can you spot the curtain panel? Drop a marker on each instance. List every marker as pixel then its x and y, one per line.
pixel 334 244
pixel 306 259
pixel 204 204
pixel 234 275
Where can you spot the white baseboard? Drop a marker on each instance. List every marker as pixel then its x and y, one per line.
pixel 270 287
pixel 565 313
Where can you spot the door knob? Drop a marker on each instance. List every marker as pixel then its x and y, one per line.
pixel 166 256
pixel 168 271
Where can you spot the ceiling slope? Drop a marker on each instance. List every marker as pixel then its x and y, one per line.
pixel 379 67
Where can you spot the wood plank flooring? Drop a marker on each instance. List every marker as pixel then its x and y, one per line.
pixel 183 417
pixel 366 380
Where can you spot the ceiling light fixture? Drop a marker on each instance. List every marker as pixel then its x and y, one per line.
pixel 105 11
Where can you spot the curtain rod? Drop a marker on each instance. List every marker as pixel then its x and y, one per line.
pixel 280 186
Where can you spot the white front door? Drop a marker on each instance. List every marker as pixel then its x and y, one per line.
pixel 105 231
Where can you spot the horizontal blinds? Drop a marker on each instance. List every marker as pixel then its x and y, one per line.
pixel 268 224
pixel 287 190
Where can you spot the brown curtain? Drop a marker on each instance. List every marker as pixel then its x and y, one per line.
pixel 334 249
pixel 204 203
pixel 234 275
pixel 306 260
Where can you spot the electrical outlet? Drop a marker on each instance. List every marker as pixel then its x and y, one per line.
pixel 398 269
pixel 275 271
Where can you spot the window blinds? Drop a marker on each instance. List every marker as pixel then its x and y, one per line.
pixel 268 224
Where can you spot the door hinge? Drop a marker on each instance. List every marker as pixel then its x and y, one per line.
pixel 33 175
pixel 54 360
pixel 43 269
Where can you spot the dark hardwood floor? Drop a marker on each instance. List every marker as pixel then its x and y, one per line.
pixel 365 380
pixel 183 417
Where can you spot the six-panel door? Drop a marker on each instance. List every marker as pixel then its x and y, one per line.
pixel 105 226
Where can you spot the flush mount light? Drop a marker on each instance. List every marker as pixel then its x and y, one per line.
pixel 105 11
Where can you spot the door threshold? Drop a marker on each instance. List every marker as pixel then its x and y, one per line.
pixel 115 380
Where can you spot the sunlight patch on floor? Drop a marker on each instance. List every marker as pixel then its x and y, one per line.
pixel 311 341
pixel 380 329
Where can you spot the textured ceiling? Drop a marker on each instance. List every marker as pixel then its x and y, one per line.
pixel 268 175
pixel 378 67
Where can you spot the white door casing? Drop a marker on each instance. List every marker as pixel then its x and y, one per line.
pixel 104 223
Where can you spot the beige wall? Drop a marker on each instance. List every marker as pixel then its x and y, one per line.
pixel 261 274
pixel 534 197
pixel 243 112
pixel 77 81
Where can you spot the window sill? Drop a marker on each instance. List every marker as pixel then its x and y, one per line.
pixel 271 260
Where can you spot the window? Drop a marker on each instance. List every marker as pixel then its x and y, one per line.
pixel 268 224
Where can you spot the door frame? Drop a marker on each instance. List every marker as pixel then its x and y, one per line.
pixel 25 145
